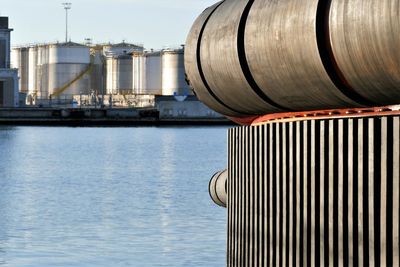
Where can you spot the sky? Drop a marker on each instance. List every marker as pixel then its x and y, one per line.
pixel 155 23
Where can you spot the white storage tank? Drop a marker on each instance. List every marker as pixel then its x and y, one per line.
pixel 173 73
pixel 120 74
pixel 69 69
pixel 139 73
pixel 153 73
pixel 32 78
pixel 42 71
pixel 14 58
pixel 20 61
pixel 109 74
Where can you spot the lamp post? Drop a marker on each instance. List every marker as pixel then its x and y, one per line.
pixel 67 6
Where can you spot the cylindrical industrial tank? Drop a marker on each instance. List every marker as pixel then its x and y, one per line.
pixel 173 73
pixel 97 73
pixel 256 57
pixel 24 70
pixel 120 74
pixel 110 70
pixel 20 60
pixel 33 62
pixel 153 73
pixel 139 73
pixel 15 58
pixel 43 71
pixel 69 62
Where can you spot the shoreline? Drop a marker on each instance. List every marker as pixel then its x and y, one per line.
pixel 77 117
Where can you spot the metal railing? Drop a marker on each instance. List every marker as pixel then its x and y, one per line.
pixel 91 101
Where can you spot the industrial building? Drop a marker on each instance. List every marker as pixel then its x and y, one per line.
pixel 62 72
pixel 147 73
pixel 8 77
pixel 119 69
pixel 53 69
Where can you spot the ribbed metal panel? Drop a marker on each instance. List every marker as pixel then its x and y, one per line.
pixel 153 73
pixel 120 74
pixel 315 193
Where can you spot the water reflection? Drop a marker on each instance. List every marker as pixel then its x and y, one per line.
pixel 7 128
pixel 110 197
pixel 167 176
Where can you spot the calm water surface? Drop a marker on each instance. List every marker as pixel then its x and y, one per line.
pixel 110 197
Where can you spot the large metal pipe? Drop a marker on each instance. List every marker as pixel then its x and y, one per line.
pixel 218 188
pixel 365 40
pixel 194 70
pixel 262 56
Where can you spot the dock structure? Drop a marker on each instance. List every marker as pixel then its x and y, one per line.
pixel 315 192
pixel 159 110
pixel 313 172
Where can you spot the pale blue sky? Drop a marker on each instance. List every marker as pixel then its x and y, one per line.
pixel 155 23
